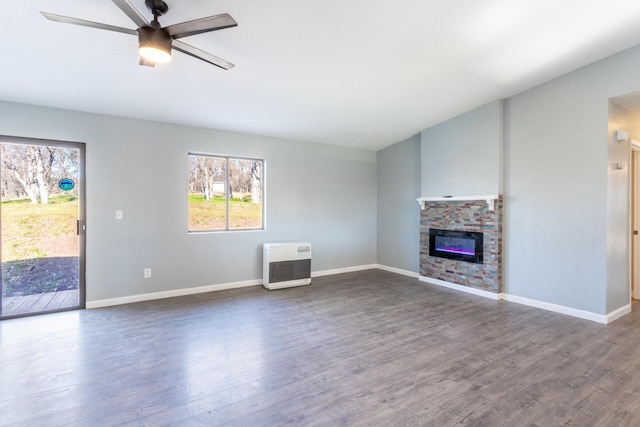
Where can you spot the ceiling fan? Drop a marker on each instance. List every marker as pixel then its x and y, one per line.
pixel 155 42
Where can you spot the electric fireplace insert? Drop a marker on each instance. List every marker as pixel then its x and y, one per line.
pixel 457 245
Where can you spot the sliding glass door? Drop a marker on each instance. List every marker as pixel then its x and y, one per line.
pixel 42 222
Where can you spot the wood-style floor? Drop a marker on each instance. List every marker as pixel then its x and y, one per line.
pixel 369 348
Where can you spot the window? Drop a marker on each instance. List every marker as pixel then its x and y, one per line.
pixel 225 193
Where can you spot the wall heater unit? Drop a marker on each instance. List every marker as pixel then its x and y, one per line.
pixel 286 264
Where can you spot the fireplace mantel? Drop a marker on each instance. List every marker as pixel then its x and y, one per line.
pixel 490 199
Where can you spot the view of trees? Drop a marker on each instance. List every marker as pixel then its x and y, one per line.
pixel 225 193
pixel 208 176
pixel 33 171
pixel 204 173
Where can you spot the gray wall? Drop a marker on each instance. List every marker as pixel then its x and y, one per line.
pixel 565 208
pixel 318 193
pixel 398 210
pixel 463 156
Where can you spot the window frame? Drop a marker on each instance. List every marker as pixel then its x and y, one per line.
pixel 263 186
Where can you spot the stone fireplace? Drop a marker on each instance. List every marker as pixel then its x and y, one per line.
pixel 462 217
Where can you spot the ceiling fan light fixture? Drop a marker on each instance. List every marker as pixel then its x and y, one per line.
pixel 154 45
pixel 155 42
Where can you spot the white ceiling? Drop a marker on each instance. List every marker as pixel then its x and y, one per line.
pixel 357 73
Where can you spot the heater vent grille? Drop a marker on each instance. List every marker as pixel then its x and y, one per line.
pixel 283 271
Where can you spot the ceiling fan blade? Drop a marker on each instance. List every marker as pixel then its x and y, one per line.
pixel 202 55
pixel 132 12
pixel 146 62
pixel 202 25
pixel 85 23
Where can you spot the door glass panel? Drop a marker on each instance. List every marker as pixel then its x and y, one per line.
pixel 41 240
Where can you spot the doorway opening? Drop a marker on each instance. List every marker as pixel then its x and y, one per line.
pixel 42 220
pixel 635 221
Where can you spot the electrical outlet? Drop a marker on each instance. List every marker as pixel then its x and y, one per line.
pixel 118 214
pixel 147 273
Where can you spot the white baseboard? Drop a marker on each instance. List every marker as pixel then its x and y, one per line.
pixel 398 271
pixel 170 294
pixel 343 270
pixel 209 288
pixel 582 314
pixel 556 308
pixel 574 312
pixel 616 314
pixel 467 289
